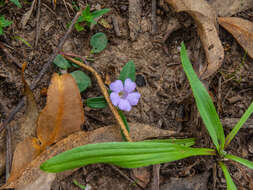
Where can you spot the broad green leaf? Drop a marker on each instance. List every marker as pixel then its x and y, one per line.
pixel 240 123
pixel 61 62
pixel 17 3
pixel 98 42
pixel 86 15
pixel 83 81
pixel 96 102
pixel 99 13
pixel 184 142
pixel 242 161
pixel 128 71
pixel 123 154
pixel 204 103
pixel 124 119
pixel 4 22
pixel 229 180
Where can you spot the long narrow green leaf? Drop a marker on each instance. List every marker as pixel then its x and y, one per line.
pixel 124 119
pixel 184 142
pixel 204 103
pixel 123 154
pixel 242 161
pixel 229 180
pixel 240 123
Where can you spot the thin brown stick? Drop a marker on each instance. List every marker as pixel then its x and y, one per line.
pixel 37 24
pixel 156 177
pixel 8 153
pixel 153 17
pixel 10 56
pixel 41 74
pixel 106 95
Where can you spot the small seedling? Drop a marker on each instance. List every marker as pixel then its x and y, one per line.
pixel 139 154
pixel 4 23
pixel 88 17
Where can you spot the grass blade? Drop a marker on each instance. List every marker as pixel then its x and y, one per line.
pixel 184 142
pixel 242 161
pixel 123 154
pixel 229 180
pixel 204 103
pixel 240 123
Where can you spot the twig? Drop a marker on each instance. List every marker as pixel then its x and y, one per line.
pixel 37 24
pixel 116 25
pixel 153 17
pixel 156 177
pixel 8 153
pixel 42 72
pixel 66 7
pixel 106 95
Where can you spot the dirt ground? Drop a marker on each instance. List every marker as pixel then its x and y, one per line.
pixel 166 101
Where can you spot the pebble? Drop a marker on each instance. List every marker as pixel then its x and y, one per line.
pixel 140 81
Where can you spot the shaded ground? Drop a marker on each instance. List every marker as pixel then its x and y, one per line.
pixel 166 98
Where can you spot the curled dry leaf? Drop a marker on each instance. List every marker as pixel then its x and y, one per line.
pixel 62 115
pixel 241 29
pixel 230 7
pixel 205 18
pixel 105 134
pixel 27 15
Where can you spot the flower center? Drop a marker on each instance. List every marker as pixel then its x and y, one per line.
pixel 123 94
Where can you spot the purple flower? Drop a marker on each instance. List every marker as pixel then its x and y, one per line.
pixel 124 96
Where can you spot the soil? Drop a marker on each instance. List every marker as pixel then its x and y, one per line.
pixel 166 101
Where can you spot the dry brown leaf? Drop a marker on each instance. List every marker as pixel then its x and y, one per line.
pixel 230 7
pixel 104 134
pixel 205 18
pixel 241 29
pixel 27 15
pixel 63 113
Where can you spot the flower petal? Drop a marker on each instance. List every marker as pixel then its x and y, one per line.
pixel 133 98
pixel 115 98
pixel 124 105
pixel 116 86
pixel 129 86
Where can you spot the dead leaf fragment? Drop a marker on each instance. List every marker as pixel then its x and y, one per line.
pixel 230 7
pixel 104 134
pixel 205 18
pixel 241 29
pixel 27 15
pixel 63 113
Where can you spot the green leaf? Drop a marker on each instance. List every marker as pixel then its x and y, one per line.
pixel 86 15
pixel 83 81
pixel 1 31
pixel 23 40
pixel 240 123
pixel 99 13
pixel 242 161
pixel 128 71
pixel 61 62
pixel 124 119
pixel 123 154
pixel 229 180
pixel 78 184
pixel 184 142
pixel 16 2
pixel 98 42
pixel 78 27
pixel 4 22
pixel 96 102
pixel 204 103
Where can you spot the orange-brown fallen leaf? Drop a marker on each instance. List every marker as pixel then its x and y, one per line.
pixel 62 116
pixel 206 19
pixel 241 29
pixel 105 134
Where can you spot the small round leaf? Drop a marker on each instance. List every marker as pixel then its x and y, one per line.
pixel 61 62
pixel 83 81
pixel 98 42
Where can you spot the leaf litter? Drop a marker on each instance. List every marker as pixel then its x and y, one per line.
pixel 206 20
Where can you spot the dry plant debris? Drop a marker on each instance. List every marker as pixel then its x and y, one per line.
pixel 241 29
pixel 205 18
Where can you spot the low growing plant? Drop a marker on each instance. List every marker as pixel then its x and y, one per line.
pixel 144 153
